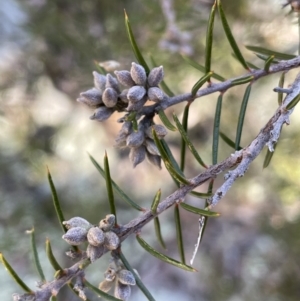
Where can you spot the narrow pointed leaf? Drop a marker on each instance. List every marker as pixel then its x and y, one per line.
pixel 202 68
pixel 35 255
pixel 265 58
pixel 293 103
pixel 281 84
pixel 268 52
pixel 200 195
pixel 196 210
pixel 51 257
pixel 230 142
pixel 122 194
pixel 109 188
pixel 53 298
pixel 215 146
pixel 230 37
pixel 184 127
pixel 188 141
pixel 242 117
pixel 100 293
pixel 269 62
pixel 201 82
pixel 14 275
pixel 269 157
pixel 138 281
pixel 249 64
pixel 180 244
pixel 158 232
pixel 156 201
pixel 134 45
pixel 165 120
pixel 163 257
pixel 209 38
pixel 241 81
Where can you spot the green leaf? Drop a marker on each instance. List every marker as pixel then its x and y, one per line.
pixel 134 45
pixel 268 52
pixel 35 255
pixel 188 142
pixel 156 201
pixel 241 81
pixel 179 238
pixel 139 283
pixel 165 120
pixel 201 82
pixel 293 103
pixel 269 62
pixel 242 117
pixel 122 194
pixel 100 293
pixel 14 275
pixel 184 128
pixel 200 195
pixel 215 146
pixel 281 84
pixel 204 212
pixel 249 64
pixel 171 169
pixel 209 39
pixel 230 142
pixel 51 257
pixel 109 188
pixel 202 68
pixel 268 157
pixel 230 37
pixel 265 58
pixel 158 232
pixel 163 257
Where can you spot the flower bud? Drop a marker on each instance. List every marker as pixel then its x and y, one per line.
pixel 110 97
pixel 77 222
pixel 95 236
pixel 155 76
pixel 112 240
pixel 155 94
pixel 93 253
pixel 123 96
pixel 154 159
pixel 135 139
pixel 111 82
pixel 137 105
pixel 151 147
pixel 126 127
pixel 75 236
pixel 124 78
pixel 107 223
pixel 102 114
pixel 160 130
pixel 138 74
pixel 106 286
pixel 99 81
pixel 126 277
pixel 92 97
pixel 136 93
pixel 137 155
pixel 122 291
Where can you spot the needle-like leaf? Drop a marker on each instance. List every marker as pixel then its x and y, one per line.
pixel 268 52
pixel 179 237
pixel 196 210
pixel 100 293
pixel 158 232
pixel 165 120
pixel 216 131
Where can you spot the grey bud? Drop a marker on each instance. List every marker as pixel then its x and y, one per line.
pixel 111 82
pixel 106 286
pixel 123 96
pixel 102 114
pixel 122 291
pixel 112 240
pixel 110 97
pixel 138 74
pixel 93 253
pixel 137 105
pixel 137 155
pixel 151 147
pixel 154 159
pixel 135 139
pixel 155 94
pixel 92 97
pixel 75 236
pixel 95 236
pixel 136 93
pixel 124 78
pixel 159 129
pixel 107 223
pixel 126 127
pixel 99 81
pixel 77 222
pixel 155 76
pixel 126 277
pixel 110 273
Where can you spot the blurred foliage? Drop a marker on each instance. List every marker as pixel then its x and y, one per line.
pixel 47 54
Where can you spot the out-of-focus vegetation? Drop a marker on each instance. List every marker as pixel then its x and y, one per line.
pixel 47 54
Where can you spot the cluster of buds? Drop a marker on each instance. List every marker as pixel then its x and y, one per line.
pixel 100 238
pixel 116 275
pixel 107 97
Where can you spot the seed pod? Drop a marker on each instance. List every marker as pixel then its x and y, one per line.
pixel 102 114
pixel 110 97
pixel 136 93
pixel 159 129
pixel 107 223
pixel 92 97
pixel 93 253
pixel 126 277
pixel 75 236
pixel 77 222
pixel 99 81
pixel 95 236
pixel 154 159
pixel 111 82
pixel 124 78
pixel 155 94
pixel 123 96
pixel 135 139
pixel 138 74
pixel 112 240
pixel 106 286
pixel 122 291
pixel 137 155
pixel 151 147
pixel 155 76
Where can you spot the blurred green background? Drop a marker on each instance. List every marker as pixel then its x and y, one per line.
pixel 47 55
